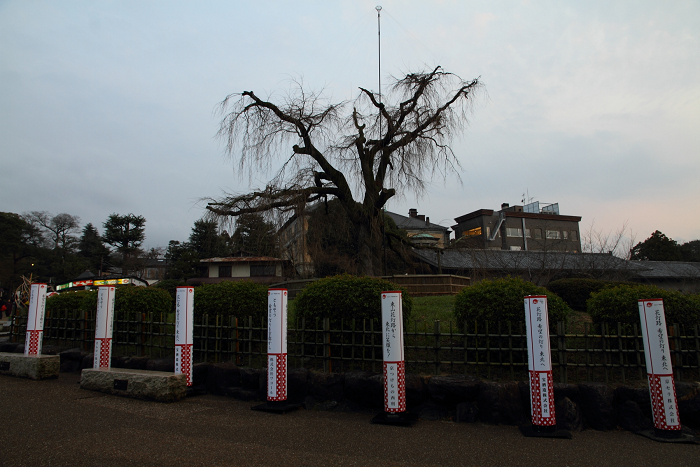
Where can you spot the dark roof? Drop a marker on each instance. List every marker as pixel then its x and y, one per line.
pixel 85 275
pixel 239 259
pixel 413 223
pixel 668 270
pixel 523 260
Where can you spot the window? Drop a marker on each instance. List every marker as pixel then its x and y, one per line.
pixel 565 233
pixel 553 234
pixel 574 235
pixel 472 232
pixel 538 233
pixel 224 271
pixel 513 232
pixel 262 269
pixel 527 233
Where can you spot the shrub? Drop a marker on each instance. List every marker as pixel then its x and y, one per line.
pixel 347 297
pixel 130 302
pixel 71 304
pixel 170 286
pixel 228 298
pixel 620 304
pixel 503 300
pixel 575 291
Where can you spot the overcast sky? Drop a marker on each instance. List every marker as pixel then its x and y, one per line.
pixel 108 106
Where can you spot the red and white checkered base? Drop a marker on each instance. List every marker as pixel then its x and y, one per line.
pixel 664 402
pixel 103 352
pixel 33 342
pixel 542 398
pixel 394 387
pixel 277 377
pixel 183 361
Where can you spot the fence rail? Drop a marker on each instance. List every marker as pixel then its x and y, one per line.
pixel 498 351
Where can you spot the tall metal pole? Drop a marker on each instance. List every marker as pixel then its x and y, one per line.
pixel 379 48
pixel 379 75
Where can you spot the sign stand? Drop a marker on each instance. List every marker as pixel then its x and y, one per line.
pixel 184 323
pixel 276 354
pixel 394 364
pixel 104 327
pixel 662 388
pixel 539 362
pixel 35 320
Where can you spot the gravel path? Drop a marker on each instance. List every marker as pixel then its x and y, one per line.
pixel 55 423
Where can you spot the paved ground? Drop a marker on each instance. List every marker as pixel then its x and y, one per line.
pixel 55 423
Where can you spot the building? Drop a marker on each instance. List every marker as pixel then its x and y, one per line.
pixel 420 231
pixel 539 267
pixel 294 246
pixel 529 228
pixel 263 269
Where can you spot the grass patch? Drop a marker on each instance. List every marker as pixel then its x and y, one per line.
pixel 440 307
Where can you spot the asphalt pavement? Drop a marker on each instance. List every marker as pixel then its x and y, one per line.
pixel 55 423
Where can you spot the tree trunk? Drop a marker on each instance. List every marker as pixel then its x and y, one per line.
pixel 365 253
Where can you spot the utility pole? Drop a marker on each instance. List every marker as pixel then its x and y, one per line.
pixel 379 76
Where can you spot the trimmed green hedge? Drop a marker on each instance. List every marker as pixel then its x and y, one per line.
pixel 620 304
pixel 576 291
pixel 129 302
pixel 170 286
pixel 347 297
pixel 71 304
pixel 503 300
pixel 228 298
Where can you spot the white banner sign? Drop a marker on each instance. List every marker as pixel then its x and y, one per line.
pixel 104 327
pixel 393 350
pixel 277 344
pixel 184 323
pixel 35 320
pixel 658 361
pixel 539 361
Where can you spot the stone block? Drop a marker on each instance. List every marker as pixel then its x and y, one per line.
pixel 138 384
pixel 597 405
pixel 326 386
pixel 500 403
pixel 453 389
pixel 32 367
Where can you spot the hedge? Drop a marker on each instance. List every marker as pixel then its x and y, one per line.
pixel 129 302
pixel 620 304
pixel 503 300
pixel 231 298
pixel 576 291
pixel 347 297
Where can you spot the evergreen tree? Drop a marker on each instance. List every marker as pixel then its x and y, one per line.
pixel 658 247
pixel 93 249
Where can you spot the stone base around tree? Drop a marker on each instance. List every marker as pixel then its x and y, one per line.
pixel 160 386
pixel 680 437
pixel 280 407
pixel 30 366
pixel 532 431
pixel 397 419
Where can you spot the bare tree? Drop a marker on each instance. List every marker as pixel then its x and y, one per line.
pixel 359 152
pixel 61 229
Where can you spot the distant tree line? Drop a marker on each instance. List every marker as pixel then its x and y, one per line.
pixel 54 249
pixel 658 247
